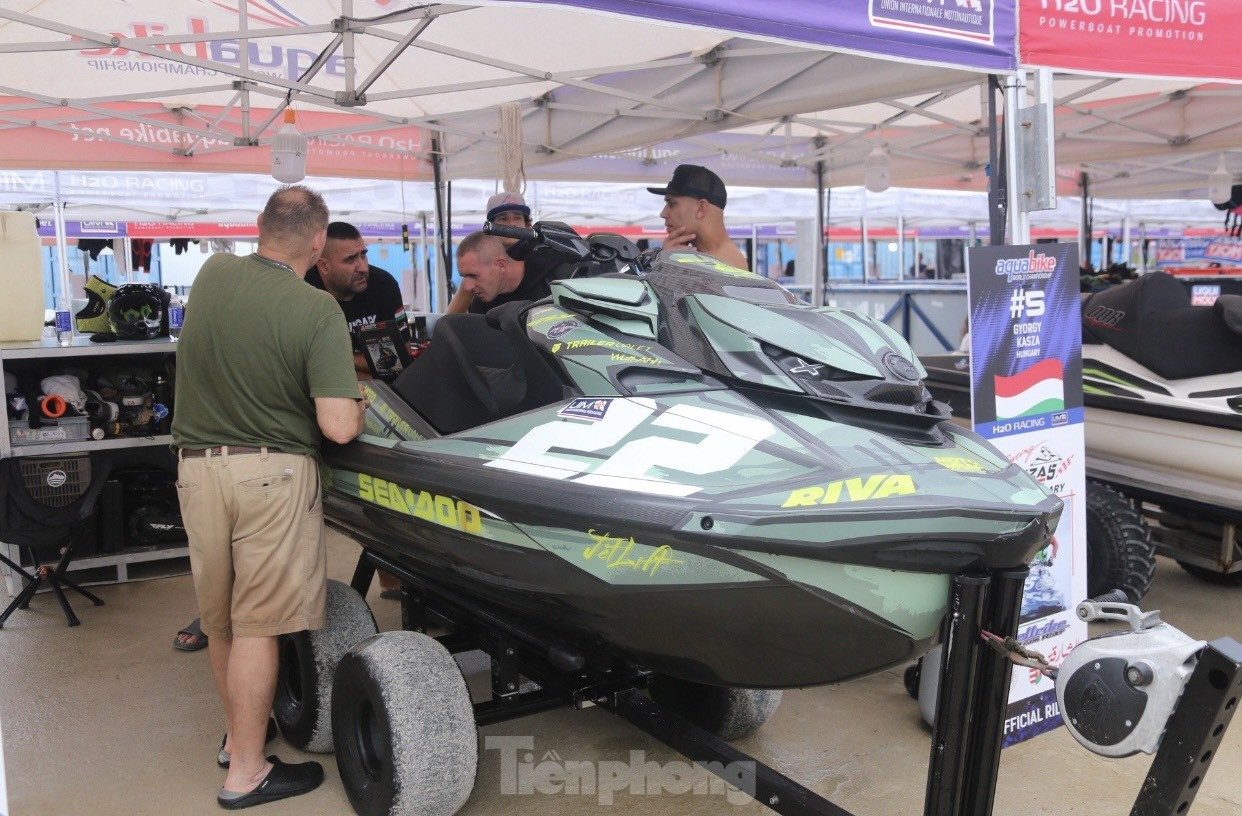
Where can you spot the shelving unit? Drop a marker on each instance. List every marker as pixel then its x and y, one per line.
pixel 132 562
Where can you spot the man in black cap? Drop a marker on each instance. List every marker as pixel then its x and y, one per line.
pixel 693 214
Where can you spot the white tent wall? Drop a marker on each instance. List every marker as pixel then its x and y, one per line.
pixel 238 198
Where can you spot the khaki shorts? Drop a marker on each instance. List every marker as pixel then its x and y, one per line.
pixel 255 524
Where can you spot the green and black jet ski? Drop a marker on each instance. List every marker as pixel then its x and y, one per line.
pixel 681 464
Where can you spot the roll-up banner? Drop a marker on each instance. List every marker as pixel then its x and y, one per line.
pixel 1026 394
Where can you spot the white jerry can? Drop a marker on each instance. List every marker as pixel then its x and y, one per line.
pixel 21 269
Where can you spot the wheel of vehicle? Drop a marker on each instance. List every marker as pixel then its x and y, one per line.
pixel 406 742
pixel 1120 552
pixel 912 677
pixel 729 713
pixel 308 661
pixel 1211 575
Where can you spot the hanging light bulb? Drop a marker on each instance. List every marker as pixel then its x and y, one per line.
pixel 289 151
pixel 1220 183
pixel 877 172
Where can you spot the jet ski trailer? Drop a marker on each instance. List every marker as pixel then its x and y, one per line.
pixel 670 493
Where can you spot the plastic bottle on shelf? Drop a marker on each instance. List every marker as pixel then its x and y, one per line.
pixel 64 321
pixel 176 316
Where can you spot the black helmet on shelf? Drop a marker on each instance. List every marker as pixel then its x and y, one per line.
pixel 137 311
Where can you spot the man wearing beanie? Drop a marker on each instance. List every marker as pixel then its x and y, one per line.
pixel 499 270
pixel 693 214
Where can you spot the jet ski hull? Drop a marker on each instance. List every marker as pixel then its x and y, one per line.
pixel 816 577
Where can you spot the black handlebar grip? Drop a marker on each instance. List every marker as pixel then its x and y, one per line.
pixel 1114 596
pixel 506 231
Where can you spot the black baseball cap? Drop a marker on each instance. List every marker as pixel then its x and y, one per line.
pixel 696 182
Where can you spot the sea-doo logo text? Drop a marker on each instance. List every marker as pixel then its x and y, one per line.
pixel 442 510
pixel 879 486
pixel 1020 267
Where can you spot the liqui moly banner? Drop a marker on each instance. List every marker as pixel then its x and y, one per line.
pixel 1194 39
pixel 1026 397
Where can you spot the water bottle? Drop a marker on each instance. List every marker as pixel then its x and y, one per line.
pixel 161 399
pixel 64 322
pixel 176 317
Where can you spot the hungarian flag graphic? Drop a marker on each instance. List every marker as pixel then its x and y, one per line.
pixel 1035 390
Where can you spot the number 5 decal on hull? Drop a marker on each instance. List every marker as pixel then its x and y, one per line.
pixel 726 439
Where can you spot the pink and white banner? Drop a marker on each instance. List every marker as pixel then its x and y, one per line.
pixel 1195 39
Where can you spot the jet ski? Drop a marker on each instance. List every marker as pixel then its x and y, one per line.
pixel 676 462
pixel 1163 417
pixel 1162 383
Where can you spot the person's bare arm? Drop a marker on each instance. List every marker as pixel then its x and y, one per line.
pixel 360 366
pixel 460 304
pixel 339 418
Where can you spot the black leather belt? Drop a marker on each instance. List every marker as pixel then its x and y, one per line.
pixel 231 450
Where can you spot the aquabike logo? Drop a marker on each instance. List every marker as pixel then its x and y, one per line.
pixel 1035 264
pixel 204 56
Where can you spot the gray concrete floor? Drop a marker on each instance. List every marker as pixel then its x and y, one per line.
pixel 108 719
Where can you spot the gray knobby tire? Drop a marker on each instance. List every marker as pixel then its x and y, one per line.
pixel 1120 552
pixel 729 713
pixel 308 661
pixel 406 741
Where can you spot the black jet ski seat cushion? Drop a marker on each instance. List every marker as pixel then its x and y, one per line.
pixel 472 374
pixel 1151 321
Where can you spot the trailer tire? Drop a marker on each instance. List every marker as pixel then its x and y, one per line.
pixel 729 713
pixel 1120 552
pixel 308 661
pixel 1212 576
pixel 406 741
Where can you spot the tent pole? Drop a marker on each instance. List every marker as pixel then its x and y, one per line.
pixel 423 276
pixel 443 243
pixel 1125 240
pixel 901 244
pixel 866 270
pixel 1084 226
pixel 1018 217
pixel 997 191
pixel 62 252
pixel 1143 247
pixel 817 268
pixel 754 249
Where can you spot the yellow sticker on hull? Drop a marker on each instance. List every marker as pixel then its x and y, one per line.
pixel 879 486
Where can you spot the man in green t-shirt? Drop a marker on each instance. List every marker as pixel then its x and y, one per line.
pixel 264 373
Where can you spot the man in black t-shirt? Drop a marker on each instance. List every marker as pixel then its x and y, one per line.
pixel 492 277
pixel 366 294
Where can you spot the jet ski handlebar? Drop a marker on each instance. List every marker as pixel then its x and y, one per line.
pixel 507 231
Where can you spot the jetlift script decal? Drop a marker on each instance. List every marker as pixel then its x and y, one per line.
pixel 618 553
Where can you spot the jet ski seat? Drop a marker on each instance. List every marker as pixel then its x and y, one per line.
pixel 1151 320
pixel 477 370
